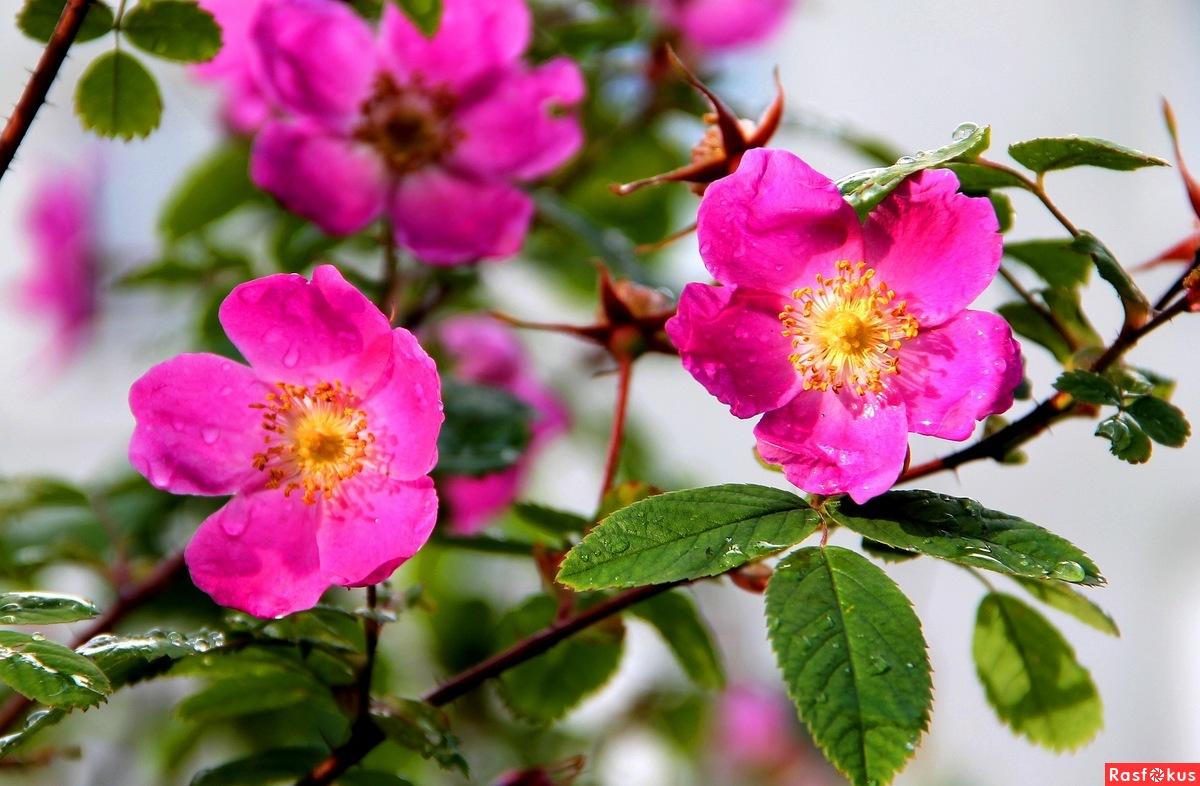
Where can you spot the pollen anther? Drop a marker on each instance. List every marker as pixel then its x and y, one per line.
pixel 846 330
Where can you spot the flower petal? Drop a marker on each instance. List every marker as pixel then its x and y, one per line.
pixel 958 373
pixel 259 554
pixel 830 443
pixel 475 40
pixel 473 502
pixel 936 247
pixel 404 410
pixel 775 223
pixel 328 179
pixel 724 24
pixel 316 57
pixel 196 432
pixel 293 330
pixel 373 526
pixel 519 129
pixel 732 342
pixel 445 219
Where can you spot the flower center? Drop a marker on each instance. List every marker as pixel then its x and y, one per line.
pixel 408 125
pixel 316 438
pixel 846 330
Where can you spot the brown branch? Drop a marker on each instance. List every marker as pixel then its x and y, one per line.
pixel 128 600
pixel 365 737
pixel 39 83
pixel 613 459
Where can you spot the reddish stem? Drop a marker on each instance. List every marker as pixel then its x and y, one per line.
pixel 624 374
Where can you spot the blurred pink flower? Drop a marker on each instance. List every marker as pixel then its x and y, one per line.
pixel 325 442
pixel 755 728
pixel 485 352
pixel 714 25
pixel 61 284
pixel 430 132
pixel 246 108
pixel 805 329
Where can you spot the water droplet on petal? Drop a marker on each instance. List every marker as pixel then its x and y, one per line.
pixel 210 434
pixel 292 356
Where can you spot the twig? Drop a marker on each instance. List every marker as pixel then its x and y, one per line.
pixel 624 374
pixel 1046 314
pixel 39 83
pixel 128 601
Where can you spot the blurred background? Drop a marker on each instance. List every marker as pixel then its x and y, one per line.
pixel 908 73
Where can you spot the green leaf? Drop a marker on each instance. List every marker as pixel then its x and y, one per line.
pixel 38 18
pixel 886 553
pixel 963 531
pixel 50 673
pixel 1031 677
pixel 425 14
pixel 128 659
pixel 212 189
pixel 1071 601
pixel 117 97
pixel 233 697
pixel 37 608
pixel 1064 304
pixel 1089 387
pixel 271 766
pixel 1162 421
pixel 1048 153
pixel 422 728
pixel 864 190
pixel 485 429
pixel 1054 261
pixel 687 535
pixel 296 243
pixel 976 178
pixel 551 521
pixel 1128 441
pixel 1003 208
pixel 1132 298
pixel 360 777
pixel 676 618
pixel 20 495
pixel 545 688
pixel 623 495
pixel 853 658
pixel 174 29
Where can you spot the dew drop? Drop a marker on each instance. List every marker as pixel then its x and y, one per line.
pixel 210 434
pixel 292 356
pixel 964 130
pixel 1069 571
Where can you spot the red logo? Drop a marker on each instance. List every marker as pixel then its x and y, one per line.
pixel 1150 772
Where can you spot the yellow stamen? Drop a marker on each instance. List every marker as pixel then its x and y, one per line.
pixel 315 439
pixel 846 330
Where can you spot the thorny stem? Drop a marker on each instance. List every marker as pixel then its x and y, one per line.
pixel 617 436
pixel 34 94
pixel 129 600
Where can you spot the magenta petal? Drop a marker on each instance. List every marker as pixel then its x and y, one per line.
pixel 374 525
pixel 316 57
pixel 445 219
pixel 831 444
pixel 725 24
pixel 259 554
pixel 775 223
pixel 732 342
pixel 483 350
pixel 330 180
pixel 404 410
pixel 475 40
pixel 293 330
pixel 958 373
pixel 473 502
pixel 936 247
pixel 521 128
pixel 196 432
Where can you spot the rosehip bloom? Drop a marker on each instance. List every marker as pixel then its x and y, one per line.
pixel 846 335
pixel 485 352
pixel 61 284
pixel 755 728
pixel 430 133
pixel 714 25
pixel 246 107
pixel 325 442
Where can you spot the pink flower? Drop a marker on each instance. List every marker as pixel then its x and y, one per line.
pixel 61 285
pixel 714 25
pixel 246 107
pixel 325 442
pixel 431 133
pixel 485 352
pixel 847 336
pixel 755 728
